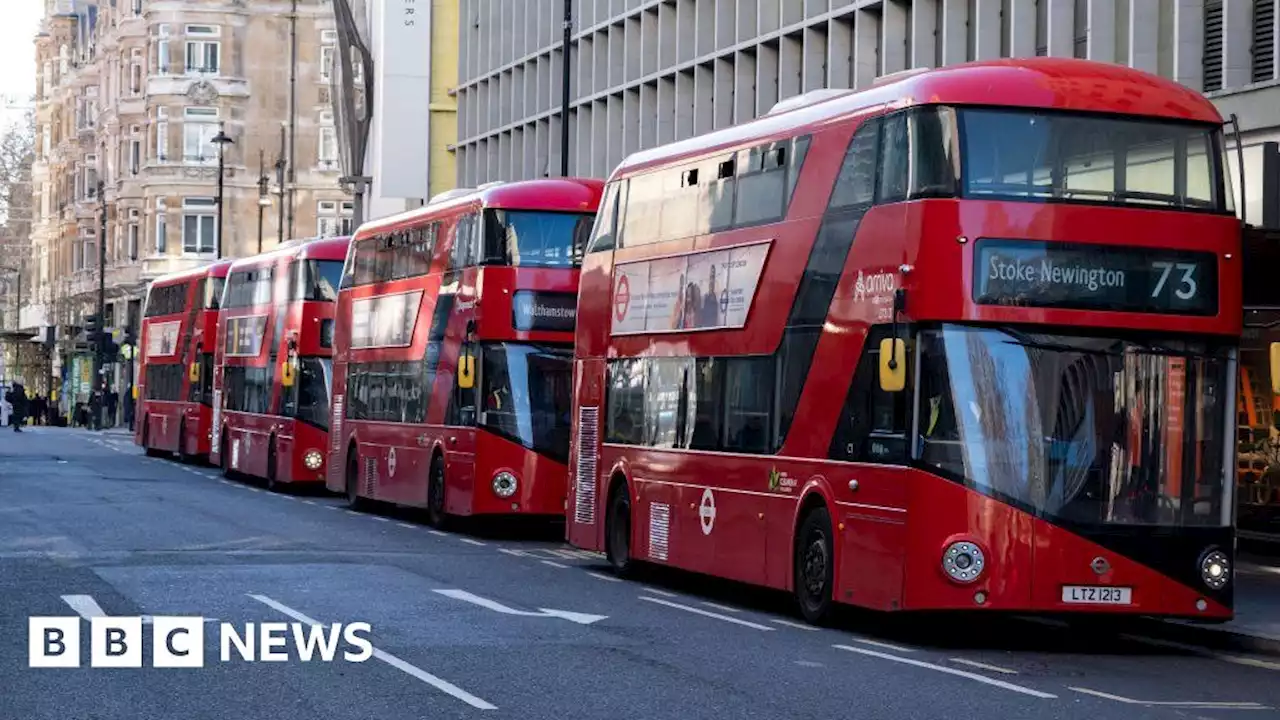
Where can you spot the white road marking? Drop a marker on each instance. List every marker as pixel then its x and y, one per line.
pixel 600 576
pixel 395 662
pixel 718 606
pixel 379 518
pixel 553 563
pixel 252 489
pixel 486 603
pixel 309 502
pixel 469 541
pixel 352 512
pixel 224 481
pixel 656 591
pixel 407 525
pixel 1187 704
pixel 708 613
pixel 333 507
pixel 949 671
pixel 85 606
pixel 437 532
pixel 885 645
pixel 794 624
pixel 984 666
pixel 1206 652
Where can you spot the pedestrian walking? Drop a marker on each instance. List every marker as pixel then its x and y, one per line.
pixel 113 403
pixel 18 399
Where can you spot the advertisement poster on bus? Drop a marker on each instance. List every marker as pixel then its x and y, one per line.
pixel 384 320
pixel 244 335
pixel 706 290
pixel 162 339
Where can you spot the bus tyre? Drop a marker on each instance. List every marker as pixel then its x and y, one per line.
pixel 224 457
pixel 617 542
pixel 272 485
pixel 354 501
pixel 435 494
pixel 183 457
pixel 814 565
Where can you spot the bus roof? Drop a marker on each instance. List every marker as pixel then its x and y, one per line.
pixel 217 269
pixel 553 194
pixel 326 248
pixel 1041 82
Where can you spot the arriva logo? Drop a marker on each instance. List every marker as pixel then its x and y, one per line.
pixel 179 642
pixel 874 285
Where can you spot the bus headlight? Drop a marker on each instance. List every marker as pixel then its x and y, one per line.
pixel 1215 569
pixel 313 459
pixel 963 562
pixel 504 484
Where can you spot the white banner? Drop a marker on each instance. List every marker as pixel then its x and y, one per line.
pixel 706 290
pixel 384 320
pixel 162 338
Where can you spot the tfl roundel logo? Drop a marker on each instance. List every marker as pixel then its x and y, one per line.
pixel 622 298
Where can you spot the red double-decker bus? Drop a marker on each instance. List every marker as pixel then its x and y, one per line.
pixel 966 339
pixel 175 374
pixel 273 367
pixel 453 359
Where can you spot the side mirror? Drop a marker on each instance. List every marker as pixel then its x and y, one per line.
pixel 893 365
pixel 466 370
pixel 1275 368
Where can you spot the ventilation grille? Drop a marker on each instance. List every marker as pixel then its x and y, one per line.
pixel 370 475
pixel 1212 45
pixel 659 530
pixel 1264 40
pixel 587 466
pixel 335 436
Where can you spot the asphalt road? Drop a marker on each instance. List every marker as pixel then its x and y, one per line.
pixel 496 624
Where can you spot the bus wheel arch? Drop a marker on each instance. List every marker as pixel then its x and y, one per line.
pixel 352 480
pixel 617 523
pixel 272 459
pixel 813 557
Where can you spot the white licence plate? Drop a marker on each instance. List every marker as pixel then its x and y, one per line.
pixel 1097 595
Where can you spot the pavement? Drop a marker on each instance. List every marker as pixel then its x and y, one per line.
pixel 494 623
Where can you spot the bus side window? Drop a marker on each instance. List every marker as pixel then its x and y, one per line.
pixel 606 227
pixel 873 424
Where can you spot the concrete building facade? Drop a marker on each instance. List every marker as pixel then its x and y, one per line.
pixel 130 94
pixel 648 72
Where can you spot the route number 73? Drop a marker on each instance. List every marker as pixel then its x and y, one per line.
pixel 1187 286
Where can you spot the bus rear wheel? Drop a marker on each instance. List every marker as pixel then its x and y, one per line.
pixel 617 530
pixel 354 501
pixel 272 485
pixel 183 457
pixel 814 566
pixel 436 516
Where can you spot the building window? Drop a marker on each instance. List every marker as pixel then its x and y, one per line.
pixel 202 54
pixel 328 151
pixel 162 227
pixel 199 126
pixel 199 224
pixel 162 134
pixel 135 156
pixel 133 240
pixel 334 218
pixel 91 176
pixel 326 62
pixel 136 6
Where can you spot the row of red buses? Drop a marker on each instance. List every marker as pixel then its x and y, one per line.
pixel 966 339
pixel 452 359
pixel 273 362
pixel 175 371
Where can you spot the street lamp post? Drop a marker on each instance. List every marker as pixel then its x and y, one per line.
pixel 221 140
pixel 264 193
pixel 99 354
pixel 280 166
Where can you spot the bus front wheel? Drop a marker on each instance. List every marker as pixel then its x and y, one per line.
pixel 814 565
pixel 435 493
pixel 618 530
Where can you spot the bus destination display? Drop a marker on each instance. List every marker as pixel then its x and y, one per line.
pixel 1095 277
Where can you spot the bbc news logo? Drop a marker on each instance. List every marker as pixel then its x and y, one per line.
pixel 179 642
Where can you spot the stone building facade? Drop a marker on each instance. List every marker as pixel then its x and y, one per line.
pixel 131 94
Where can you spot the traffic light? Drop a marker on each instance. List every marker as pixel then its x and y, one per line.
pixel 93 329
pixel 110 350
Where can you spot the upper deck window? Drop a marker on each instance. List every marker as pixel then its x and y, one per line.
pixel 391 256
pixel 536 238
pixel 166 300
pixel 315 280
pixel 1059 157
pixel 213 293
pixel 246 288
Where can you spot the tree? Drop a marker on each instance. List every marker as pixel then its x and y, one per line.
pixel 17 154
